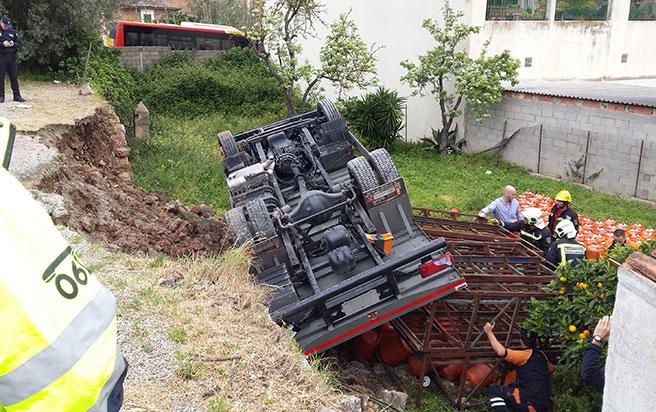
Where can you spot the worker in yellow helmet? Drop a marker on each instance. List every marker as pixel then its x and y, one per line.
pixel 562 210
pixel 58 349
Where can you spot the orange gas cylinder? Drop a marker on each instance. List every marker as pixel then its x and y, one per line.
pixel 393 350
pixel 510 377
pixel 476 374
pixel 414 363
pixel 386 330
pixel 365 345
pixel 593 252
pixel 450 372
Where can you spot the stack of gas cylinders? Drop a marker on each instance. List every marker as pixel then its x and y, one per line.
pixel 384 344
pixel 595 235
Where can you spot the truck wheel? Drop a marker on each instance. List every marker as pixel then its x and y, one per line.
pixel 362 173
pixel 328 109
pixel 227 143
pixel 260 219
pixel 382 162
pixel 238 226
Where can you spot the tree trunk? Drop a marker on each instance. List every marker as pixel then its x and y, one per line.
pixel 444 136
pixel 291 107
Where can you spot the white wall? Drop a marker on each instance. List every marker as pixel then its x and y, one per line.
pixel 631 364
pixel 573 49
pixel 395 25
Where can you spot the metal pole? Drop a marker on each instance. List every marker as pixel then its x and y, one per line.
pixel 406 122
pixel 635 191
pixel 540 149
pixel 585 159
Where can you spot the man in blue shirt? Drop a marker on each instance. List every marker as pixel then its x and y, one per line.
pixel 592 373
pixel 506 210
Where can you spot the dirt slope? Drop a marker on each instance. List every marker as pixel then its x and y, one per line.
pixel 95 179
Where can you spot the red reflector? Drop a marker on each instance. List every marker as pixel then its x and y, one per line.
pixel 436 265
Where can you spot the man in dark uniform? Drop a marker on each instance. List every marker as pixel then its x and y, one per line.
pixel 9 44
pixel 532 391
pixel 562 210
pixel 534 230
pixel 566 249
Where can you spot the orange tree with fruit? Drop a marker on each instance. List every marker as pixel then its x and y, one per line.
pixel 583 294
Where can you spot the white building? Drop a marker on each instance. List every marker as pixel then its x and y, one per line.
pixel 549 48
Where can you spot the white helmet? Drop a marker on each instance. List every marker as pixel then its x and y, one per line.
pixel 565 228
pixel 534 217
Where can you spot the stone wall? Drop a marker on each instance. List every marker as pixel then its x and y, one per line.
pixel 630 373
pixel 142 57
pixel 611 134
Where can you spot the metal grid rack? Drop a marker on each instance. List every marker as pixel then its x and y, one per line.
pixel 502 274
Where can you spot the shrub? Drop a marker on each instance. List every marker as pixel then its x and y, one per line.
pixel 113 81
pixel 584 294
pixel 377 117
pixel 233 83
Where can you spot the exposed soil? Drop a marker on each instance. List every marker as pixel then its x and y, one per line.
pixel 47 103
pixel 95 180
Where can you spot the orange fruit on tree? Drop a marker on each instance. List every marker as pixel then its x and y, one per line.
pixel 582 336
pixel 572 328
pixel 563 279
pixel 599 285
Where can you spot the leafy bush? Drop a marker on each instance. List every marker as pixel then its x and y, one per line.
pixel 453 143
pixel 572 395
pixel 377 117
pixel 585 293
pixel 113 81
pixel 233 83
pixel 54 31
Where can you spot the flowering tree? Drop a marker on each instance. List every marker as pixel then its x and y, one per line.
pixel 475 81
pixel 345 59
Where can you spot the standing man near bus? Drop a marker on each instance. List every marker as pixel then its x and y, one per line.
pixel 8 52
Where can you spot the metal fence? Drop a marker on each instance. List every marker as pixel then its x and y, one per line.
pixel 581 9
pixel 642 10
pixel 516 10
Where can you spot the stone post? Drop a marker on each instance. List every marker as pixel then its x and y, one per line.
pixel 141 121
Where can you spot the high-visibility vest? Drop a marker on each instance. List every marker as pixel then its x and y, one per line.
pixel 58 349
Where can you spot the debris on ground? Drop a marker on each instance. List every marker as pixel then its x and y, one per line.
pixel 95 180
pixel 31 160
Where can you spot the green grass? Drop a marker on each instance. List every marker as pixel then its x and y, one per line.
pixel 181 159
pixel 443 182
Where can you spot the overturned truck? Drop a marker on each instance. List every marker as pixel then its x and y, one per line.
pixel 332 233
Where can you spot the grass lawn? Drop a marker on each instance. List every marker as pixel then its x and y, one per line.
pixel 182 160
pixel 443 182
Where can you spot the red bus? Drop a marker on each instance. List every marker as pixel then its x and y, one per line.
pixel 186 36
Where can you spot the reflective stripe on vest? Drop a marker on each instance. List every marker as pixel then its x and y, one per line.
pixel 7 134
pixel 58 348
pixel 530 235
pixel 563 248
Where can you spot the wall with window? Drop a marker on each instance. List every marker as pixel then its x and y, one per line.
pixel 596 39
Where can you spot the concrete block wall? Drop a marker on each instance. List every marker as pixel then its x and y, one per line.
pixel 613 134
pixel 630 374
pixel 142 57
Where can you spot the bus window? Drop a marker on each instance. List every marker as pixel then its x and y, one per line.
pixel 229 43
pixel 208 41
pixel 146 39
pixel 131 37
pixel 182 41
pixel 161 39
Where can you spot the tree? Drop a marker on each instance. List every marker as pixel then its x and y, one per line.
pixel 228 12
pixel 345 59
pixel 475 81
pixel 53 32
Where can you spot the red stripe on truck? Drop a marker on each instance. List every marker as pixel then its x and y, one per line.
pixel 384 317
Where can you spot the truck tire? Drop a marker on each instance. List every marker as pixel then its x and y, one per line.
pixel 238 226
pixel 328 109
pixel 383 164
pixel 260 220
pixel 362 173
pixel 227 143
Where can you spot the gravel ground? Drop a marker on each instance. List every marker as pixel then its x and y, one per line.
pixel 31 159
pixel 49 103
